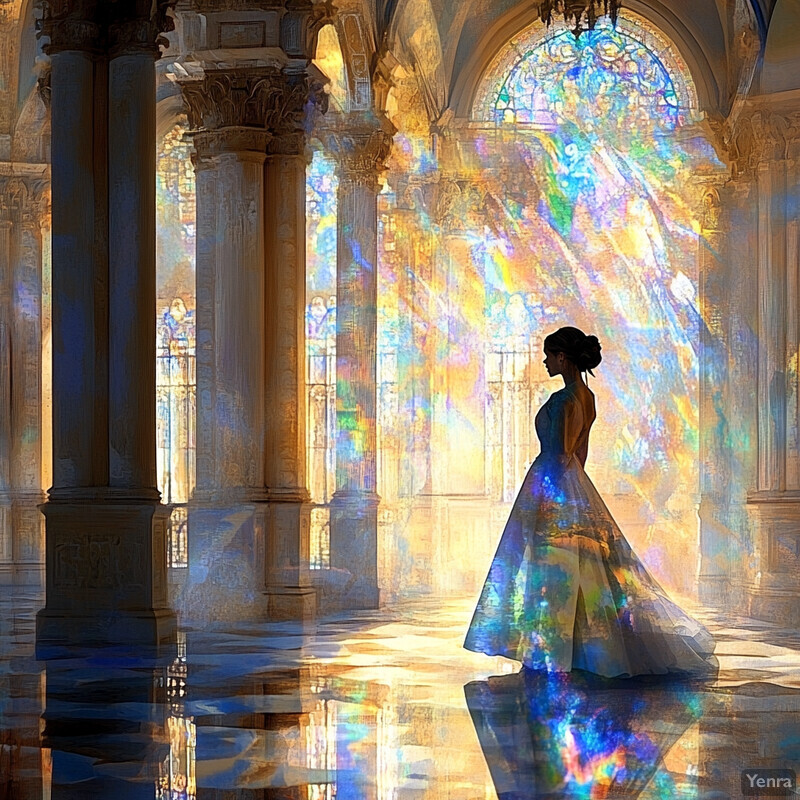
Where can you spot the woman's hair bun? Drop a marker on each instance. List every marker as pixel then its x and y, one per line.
pixel 582 350
pixel 587 355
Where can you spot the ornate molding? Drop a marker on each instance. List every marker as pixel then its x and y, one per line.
pixel 292 25
pixel 208 144
pixel 226 99
pixel 279 102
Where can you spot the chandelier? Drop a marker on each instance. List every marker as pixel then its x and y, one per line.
pixel 582 13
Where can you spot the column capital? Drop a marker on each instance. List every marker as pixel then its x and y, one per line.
pixel 71 25
pixel 297 99
pixel 762 136
pixel 100 26
pixel 274 102
pixel 362 145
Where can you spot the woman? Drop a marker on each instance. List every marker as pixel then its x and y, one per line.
pixel 565 591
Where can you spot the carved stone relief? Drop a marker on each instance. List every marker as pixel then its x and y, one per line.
pixel 763 135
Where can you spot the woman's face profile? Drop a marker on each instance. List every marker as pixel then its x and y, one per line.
pixel 553 362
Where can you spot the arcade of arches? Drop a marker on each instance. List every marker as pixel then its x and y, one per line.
pixel 364 226
pixel 274 279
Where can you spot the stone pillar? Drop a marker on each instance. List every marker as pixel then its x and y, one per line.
pixel 458 394
pixel 21 243
pixel 28 199
pixel 106 550
pixel 362 148
pixel 411 525
pixel 714 572
pixel 251 337
pixel 773 563
pixel 289 590
pixel 226 517
pixel 6 558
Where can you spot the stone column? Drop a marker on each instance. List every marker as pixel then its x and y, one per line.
pixel 6 559
pixel 226 517
pixel 461 406
pixel 251 338
pixel 106 553
pixel 414 531
pixel 771 576
pixel 714 297
pixel 362 148
pixel 289 590
pixel 28 199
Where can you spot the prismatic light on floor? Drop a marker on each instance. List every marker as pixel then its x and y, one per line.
pixel 582 13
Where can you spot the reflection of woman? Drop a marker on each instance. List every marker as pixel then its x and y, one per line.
pixel 565 590
pixel 550 735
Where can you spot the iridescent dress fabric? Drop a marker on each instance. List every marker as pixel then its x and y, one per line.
pixel 565 590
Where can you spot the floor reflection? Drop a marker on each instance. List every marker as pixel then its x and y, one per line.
pixel 105 726
pixel 573 736
pixel 382 706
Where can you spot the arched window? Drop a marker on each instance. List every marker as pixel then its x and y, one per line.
pixel 593 167
pixel 612 77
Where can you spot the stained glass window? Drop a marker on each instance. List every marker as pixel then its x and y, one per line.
pixel 609 77
pixel 175 334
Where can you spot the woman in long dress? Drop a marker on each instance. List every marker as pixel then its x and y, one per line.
pixel 565 590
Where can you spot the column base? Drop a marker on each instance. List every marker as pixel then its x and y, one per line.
pixel 148 634
pixel 713 590
pixel 769 588
pixel 771 603
pixel 225 580
pixel 106 577
pixel 289 591
pixel 352 581
pixel 287 604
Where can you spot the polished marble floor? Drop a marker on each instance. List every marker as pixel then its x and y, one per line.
pixel 382 706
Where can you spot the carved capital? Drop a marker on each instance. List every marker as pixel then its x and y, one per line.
pixel 71 32
pixel 227 99
pixel 109 26
pixel 136 27
pixel 273 101
pixel 361 153
pixel 297 101
pixel 762 136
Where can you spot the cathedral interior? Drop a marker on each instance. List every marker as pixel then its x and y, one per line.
pixel 274 280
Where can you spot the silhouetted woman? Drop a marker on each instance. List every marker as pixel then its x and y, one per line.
pixel 565 590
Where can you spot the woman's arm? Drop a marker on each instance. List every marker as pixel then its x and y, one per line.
pixel 582 452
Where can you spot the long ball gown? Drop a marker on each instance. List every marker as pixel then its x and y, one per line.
pixel 565 590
